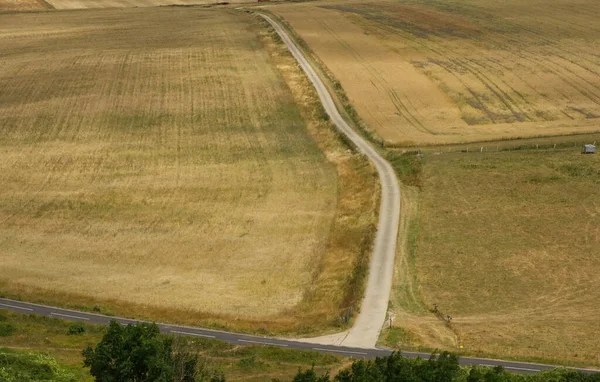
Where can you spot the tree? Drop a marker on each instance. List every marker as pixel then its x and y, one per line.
pixel 438 368
pixel 131 353
pixel 441 368
pixel 310 376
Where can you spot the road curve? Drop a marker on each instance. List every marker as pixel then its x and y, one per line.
pixel 374 306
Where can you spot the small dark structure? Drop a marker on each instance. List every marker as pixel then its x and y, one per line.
pixel 589 149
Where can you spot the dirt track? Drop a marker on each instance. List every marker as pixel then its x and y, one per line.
pixel 366 329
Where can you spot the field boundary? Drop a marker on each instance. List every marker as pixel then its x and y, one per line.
pixel 314 113
pixel 46 4
pixel 345 108
pixel 367 327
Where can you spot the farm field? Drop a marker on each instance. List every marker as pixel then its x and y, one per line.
pixel 32 5
pixel 156 164
pixel 449 71
pixel 89 4
pixel 23 5
pixel 507 244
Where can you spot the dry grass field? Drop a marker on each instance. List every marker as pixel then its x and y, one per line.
pixel 95 4
pixel 155 163
pixel 449 71
pixel 23 5
pixel 31 5
pixel 507 243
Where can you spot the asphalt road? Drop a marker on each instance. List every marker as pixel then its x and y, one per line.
pixel 374 306
pixel 243 339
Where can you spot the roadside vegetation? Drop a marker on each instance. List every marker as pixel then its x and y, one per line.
pixel 191 178
pixel 46 341
pixel 141 353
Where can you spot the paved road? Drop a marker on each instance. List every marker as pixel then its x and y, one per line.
pixel 243 339
pixel 374 306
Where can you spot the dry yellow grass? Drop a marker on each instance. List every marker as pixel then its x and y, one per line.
pixel 23 5
pixel 95 4
pixel 507 243
pixel 156 162
pixel 448 71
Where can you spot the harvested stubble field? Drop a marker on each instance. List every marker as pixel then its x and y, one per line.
pixel 156 163
pixel 23 5
pixel 33 5
pixel 95 4
pixel 450 71
pixel 507 244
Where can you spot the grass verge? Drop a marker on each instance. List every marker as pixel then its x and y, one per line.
pixel 43 345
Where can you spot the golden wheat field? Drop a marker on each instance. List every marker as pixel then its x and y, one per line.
pixel 447 71
pixel 33 5
pixel 23 5
pixel 95 4
pixel 157 158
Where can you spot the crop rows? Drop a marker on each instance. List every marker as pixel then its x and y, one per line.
pixel 155 156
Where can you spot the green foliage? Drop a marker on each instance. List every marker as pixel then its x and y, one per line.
pixel 408 166
pixel 250 362
pixel 438 368
pixel 24 367
pixel 141 353
pixel 76 329
pixel 396 336
pixel 579 170
pixel 6 329
pixel 481 374
pixel 102 310
pixel 310 376
pixel 443 368
pixel 130 353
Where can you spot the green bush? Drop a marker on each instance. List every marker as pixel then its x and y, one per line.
pixel 6 329
pixel 439 368
pixel 21 367
pixel 76 329
pixel 140 353
pixel 408 166
pixel 249 362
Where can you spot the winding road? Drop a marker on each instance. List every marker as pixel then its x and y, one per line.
pixel 360 341
pixel 374 306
